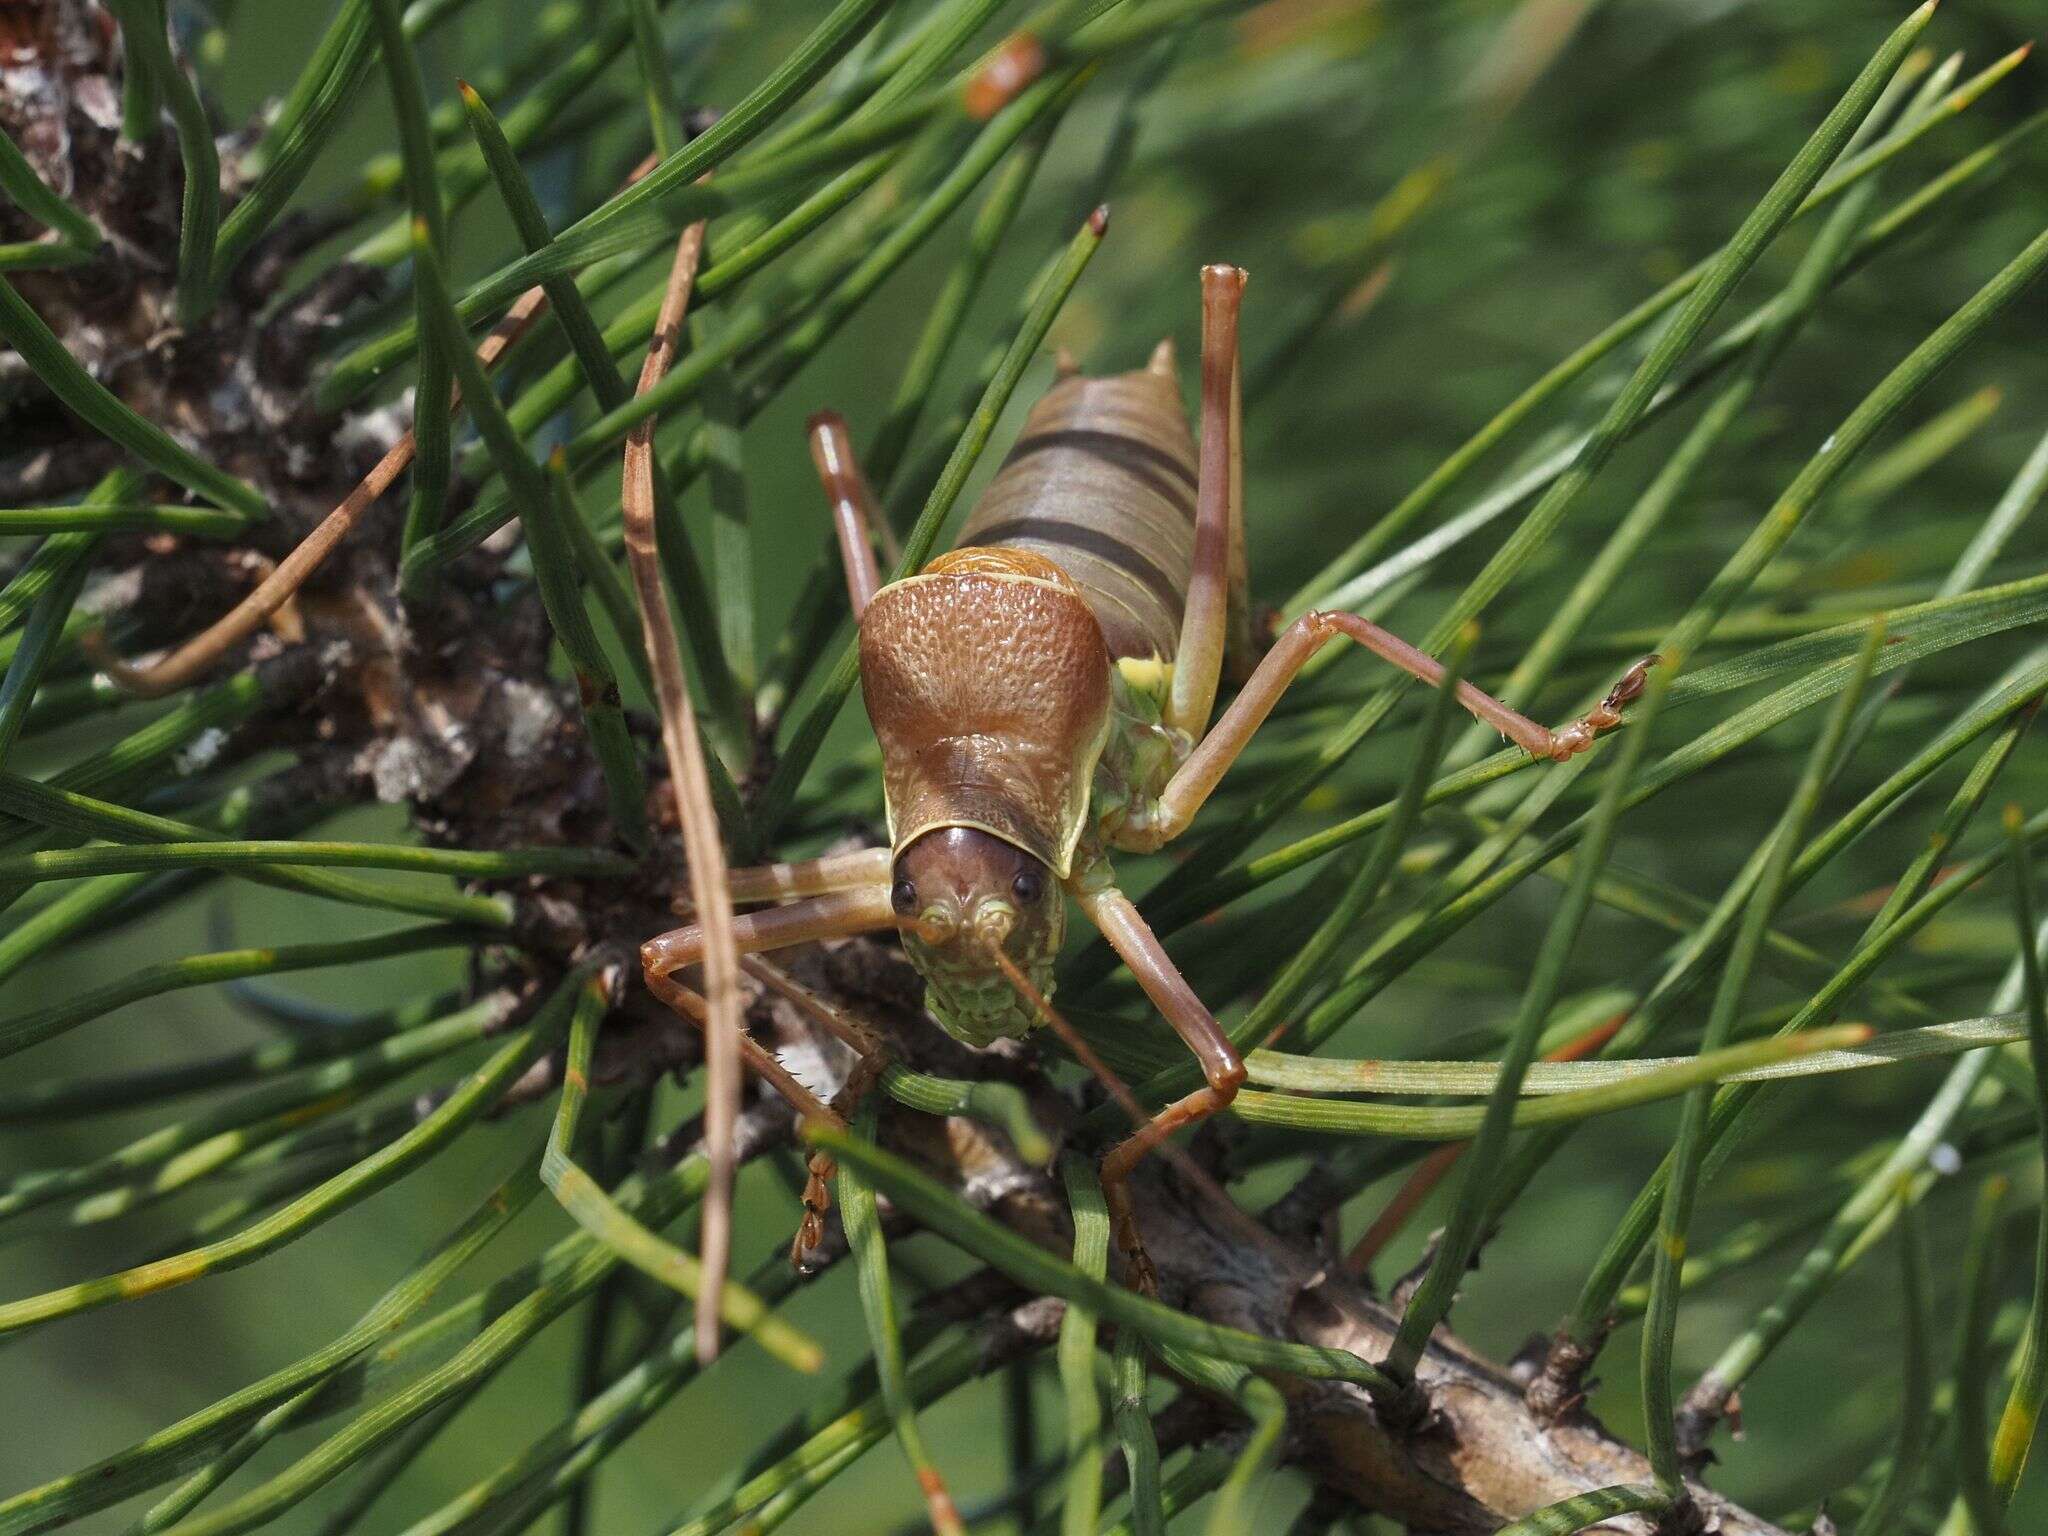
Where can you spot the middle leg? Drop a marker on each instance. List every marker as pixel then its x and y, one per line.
pixel 841 914
pixel 810 877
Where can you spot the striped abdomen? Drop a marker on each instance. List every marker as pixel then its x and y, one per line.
pixel 1102 483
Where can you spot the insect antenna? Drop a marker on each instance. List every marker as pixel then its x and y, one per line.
pixel 1070 1037
pixel 1104 1073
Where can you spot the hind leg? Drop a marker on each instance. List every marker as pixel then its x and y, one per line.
pixel 1216 621
pixel 1193 781
pixel 1216 618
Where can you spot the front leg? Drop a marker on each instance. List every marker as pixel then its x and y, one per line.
pixel 1113 913
pixel 841 914
pixel 691 1007
pixel 1196 778
pixel 872 1062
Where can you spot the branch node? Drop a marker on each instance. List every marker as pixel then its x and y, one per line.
pixel 1557 1392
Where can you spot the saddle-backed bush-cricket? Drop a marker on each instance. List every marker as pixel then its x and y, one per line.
pixel 1042 695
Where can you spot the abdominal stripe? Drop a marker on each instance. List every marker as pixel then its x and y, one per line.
pixel 1163 472
pixel 1104 546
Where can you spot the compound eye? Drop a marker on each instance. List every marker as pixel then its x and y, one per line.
pixel 1028 886
pixel 903 897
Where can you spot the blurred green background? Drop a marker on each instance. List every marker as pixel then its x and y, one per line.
pixel 1654 131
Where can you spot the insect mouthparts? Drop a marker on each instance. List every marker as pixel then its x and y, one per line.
pixel 993 922
pixel 935 926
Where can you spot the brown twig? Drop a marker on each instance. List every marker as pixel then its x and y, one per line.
pixel 278 588
pixel 1482 1457
pixel 681 743
pixel 291 573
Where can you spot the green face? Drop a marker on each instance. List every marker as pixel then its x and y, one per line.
pixel 960 892
pixel 977 1006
